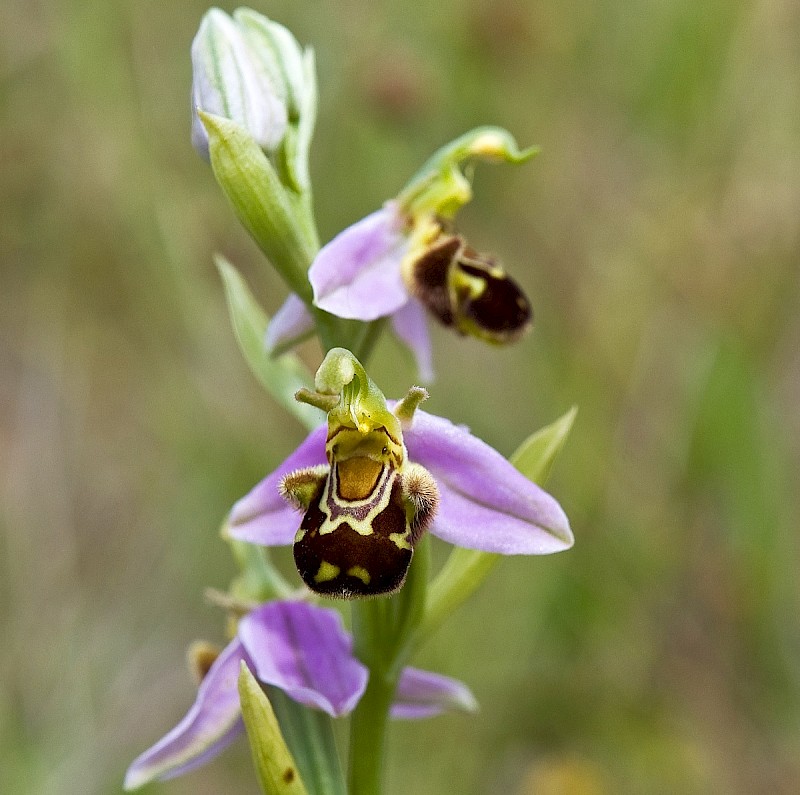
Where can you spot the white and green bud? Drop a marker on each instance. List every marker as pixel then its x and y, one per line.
pixel 279 54
pixel 231 78
pixel 292 70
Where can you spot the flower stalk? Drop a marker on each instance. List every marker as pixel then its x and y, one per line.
pixel 368 729
pixel 383 630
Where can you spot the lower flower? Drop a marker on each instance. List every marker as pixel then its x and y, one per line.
pixel 377 477
pixel 485 503
pixel 305 651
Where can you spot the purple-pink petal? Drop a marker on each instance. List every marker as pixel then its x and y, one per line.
pixel 357 275
pixel 306 652
pixel 485 502
pixel 411 326
pixel 213 722
pixel 291 322
pixel 262 516
pixel 422 694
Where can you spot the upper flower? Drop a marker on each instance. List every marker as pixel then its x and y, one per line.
pixel 404 260
pixel 466 492
pixel 303 650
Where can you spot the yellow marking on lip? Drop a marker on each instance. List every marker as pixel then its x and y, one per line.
pixel 359 572
pixel 363 528
pixel 299 535
pixel 327 571
pixel 496 272
pixel 400 540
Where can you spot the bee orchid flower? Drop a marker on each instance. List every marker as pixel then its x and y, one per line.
pixel 375 477
pixel 404 262
pixel 305 651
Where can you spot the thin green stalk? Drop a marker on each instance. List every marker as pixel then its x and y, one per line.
pixel 383 629
pixel 368 728
pixel 368 336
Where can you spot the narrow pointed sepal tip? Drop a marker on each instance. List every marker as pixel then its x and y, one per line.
pixel 134 780
pixel 324 402
pixel 498 145
pixel 528 153
pixel 228 135
pixel 212 122
pixel 424 694
pixel 211 725
pixel 404 410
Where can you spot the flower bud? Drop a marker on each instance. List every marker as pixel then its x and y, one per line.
pixel 230 79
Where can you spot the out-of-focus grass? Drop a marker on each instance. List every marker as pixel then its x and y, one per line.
pixel 658 237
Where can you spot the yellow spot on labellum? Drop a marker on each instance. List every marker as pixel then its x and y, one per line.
pixel 327 571
pixel 360 572
pixel 400 540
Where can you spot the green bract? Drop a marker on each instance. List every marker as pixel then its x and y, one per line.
pixel 277 772
pixel 269 212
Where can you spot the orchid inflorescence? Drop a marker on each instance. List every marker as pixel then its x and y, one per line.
pixel 374 478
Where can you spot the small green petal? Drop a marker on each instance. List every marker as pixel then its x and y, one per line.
pixel 275 766
pixel 440 187
pixel 537 454
pixel 405 409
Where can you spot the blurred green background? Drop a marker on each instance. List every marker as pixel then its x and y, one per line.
pixel 658 236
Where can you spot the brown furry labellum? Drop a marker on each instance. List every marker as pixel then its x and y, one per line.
pixel 363 515
pixel 469 292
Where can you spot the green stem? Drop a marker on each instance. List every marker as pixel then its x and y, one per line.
pixel 368 726
pixel 383 629
pixel 367 338
pixel 328 328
